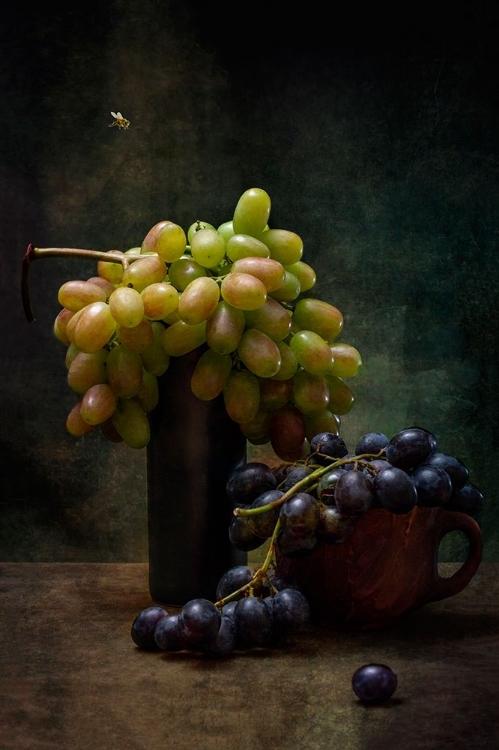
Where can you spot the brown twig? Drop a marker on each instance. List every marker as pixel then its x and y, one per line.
pixel 34 253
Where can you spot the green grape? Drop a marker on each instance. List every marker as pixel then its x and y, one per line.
pixel 75 295
pixel 287 430
pixel 289 363
pixel 258 427
pixel 149 269
pixel 310 392
pixel 252 212
pixel 259 353
pixel 127 307
pixel 241 395
pixel 271 318
pixel 182 338
pixel 284 246
pixel 210 375
pixel 167 239
pixel 224 328
pixel 270 272
pixel 208 247
pixel 131 422
pixel 274 394
pixel 289 290
pixel 71 353
pixel 315 315
pixel 87 370
pixel 198 300
pixel 94 327
pixel 112 272
pixel 244 291
pixel 226 230
pixel 312 352
pixel 341 397
pixel 60 325
pixel 103 283
pixel 71 325
pixel 160 299
pixel 98 404
pixel 183 271
pixel 137 339
pixel 148 395
pixel 155 359
pixel 244 246
pixel 124 371
pixel 347 360
pixel 195 227
pixel 304 273
pixel 325 421
pixel 75 424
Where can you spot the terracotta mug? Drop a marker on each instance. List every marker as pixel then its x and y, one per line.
pixel 388 567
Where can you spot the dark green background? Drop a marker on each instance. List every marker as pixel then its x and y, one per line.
pixel 375 134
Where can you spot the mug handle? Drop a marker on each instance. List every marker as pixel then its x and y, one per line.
pixel 442 587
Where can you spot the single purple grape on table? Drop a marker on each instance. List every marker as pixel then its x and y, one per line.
pixel 433 485
pixel 394 490
pixel 168 636
pixel 143 627
pixel 299 515
pixel 328 444
pixel 327 485
pixel 354 493
pixel 253 622
pixel 454 467
pixel 333 527
pixel 199 621
pixel 410 447
pixel 248 481
pixel 469 499
pixel 371 442
pixel 374 683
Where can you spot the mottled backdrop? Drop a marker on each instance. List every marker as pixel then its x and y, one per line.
pixel 375 134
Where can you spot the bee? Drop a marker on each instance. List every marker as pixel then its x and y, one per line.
pixel 120 121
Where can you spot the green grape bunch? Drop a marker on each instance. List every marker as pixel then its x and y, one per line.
pixel 239 292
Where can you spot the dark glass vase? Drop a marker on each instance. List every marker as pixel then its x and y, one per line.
pixel 194 446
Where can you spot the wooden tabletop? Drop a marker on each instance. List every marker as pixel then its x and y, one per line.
pixel 72 679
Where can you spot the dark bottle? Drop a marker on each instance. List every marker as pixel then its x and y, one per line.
pixel 194 447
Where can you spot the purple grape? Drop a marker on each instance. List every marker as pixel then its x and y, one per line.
pixel 241 534
pixel 253 622
pixel 354 493
pixel 232 580
pixel 371 442
pixel 294 475
pixel 410 447
pixel 327 485
pixel 168 636
pixel 455 468
pixel 299 515
pixel 467 500
pixel 394 490
pixel 143 627
pixel 290 610
pixel 374 683
pixel 330 445
pixel 224 642
pixel 333 527
pixel 292 546
pixel 433 485
pixel 263 524
pixel 199 621
pixel 248 481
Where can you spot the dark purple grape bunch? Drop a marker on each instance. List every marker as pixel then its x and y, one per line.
pixel 321 497
pixel 251 611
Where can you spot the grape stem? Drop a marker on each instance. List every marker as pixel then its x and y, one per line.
pixel 34 253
